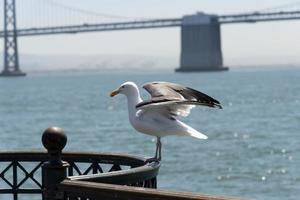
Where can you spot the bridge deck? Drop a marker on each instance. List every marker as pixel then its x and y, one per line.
pixel 155 23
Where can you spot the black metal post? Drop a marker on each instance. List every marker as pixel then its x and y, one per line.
pixel 54 171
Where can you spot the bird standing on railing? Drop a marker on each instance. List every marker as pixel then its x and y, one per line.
pixel 156 116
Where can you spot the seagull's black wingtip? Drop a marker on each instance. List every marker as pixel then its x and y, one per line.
pixel 218 106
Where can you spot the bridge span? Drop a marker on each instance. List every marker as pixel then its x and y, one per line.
pixel 200 35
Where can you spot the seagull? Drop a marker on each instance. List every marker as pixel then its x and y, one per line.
pixel 157 116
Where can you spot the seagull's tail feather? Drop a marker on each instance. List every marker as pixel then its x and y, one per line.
pixel 192 132
pixel 189 131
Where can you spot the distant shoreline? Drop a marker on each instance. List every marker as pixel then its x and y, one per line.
pixel 160 70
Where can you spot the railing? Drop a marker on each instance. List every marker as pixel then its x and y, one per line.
pixel 20 172
pixel 78 190
pixel 81 176
pixel 19 168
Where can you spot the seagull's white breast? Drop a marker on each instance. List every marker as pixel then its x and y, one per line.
pixel 153 123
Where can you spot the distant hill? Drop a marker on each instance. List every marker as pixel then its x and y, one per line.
pixel 40 63
pixel 30 62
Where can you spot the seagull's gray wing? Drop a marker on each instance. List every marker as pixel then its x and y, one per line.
pixel 176 97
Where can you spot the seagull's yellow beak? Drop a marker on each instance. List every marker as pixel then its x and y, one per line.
pixel 114 93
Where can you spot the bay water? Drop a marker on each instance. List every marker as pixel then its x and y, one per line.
pixel 253 146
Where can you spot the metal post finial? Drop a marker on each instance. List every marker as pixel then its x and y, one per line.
pixel 54 140
pixel 54 170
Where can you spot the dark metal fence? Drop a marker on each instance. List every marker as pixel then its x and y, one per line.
pixel 30 172
pixel 21 171
pixel 81 176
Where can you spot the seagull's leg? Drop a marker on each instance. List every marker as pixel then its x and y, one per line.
pixel 157 152
pixel 159 148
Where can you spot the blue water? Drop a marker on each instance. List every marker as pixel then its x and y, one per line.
pixel 253 148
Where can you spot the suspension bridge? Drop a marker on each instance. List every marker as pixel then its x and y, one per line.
pixel 200 32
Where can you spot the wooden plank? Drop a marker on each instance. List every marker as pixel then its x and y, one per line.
pixel 97 191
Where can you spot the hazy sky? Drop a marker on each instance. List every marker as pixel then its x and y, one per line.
pixel 269 41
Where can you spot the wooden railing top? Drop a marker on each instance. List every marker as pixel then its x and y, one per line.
pixel 98 191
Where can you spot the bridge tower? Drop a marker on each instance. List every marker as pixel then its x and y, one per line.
pixel 11 57
pixel 200 44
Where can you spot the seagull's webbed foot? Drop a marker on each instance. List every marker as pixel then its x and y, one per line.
pixel 154 159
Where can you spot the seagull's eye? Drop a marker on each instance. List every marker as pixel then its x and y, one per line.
pixel 123 86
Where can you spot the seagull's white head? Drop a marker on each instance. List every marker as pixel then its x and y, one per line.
pixel 127 88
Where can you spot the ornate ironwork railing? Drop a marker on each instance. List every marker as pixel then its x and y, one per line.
pixel 20 172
